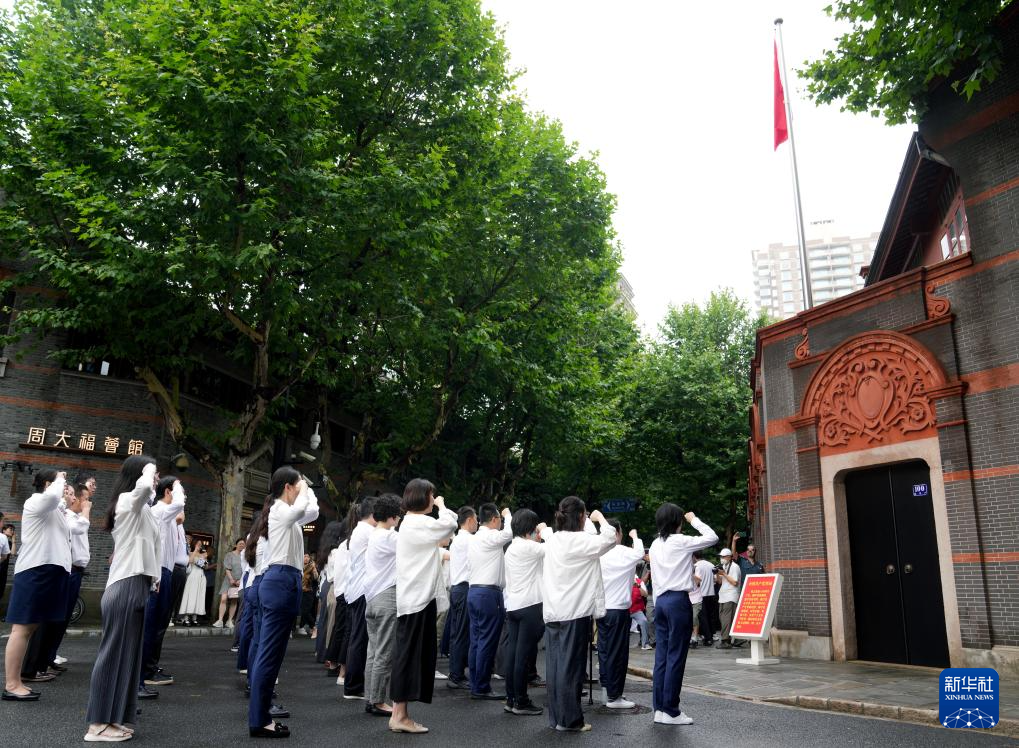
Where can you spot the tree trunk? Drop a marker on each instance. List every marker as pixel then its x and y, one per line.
pixel 231 503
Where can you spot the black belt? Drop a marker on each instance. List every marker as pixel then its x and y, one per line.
pixel 79 569
pixel 458 585
pixel 487 587
pixel 180 566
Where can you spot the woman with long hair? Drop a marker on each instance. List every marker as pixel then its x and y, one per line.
pixel 192 601
pixel 247 622
pixel 672 572
pixel 41 575
pixel 279 593
pixel 573 593
pixel 229 590
pixel 254 554
pixel 419 594
pixel 134 572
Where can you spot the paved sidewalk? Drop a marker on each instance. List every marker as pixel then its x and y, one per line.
pixel 894 692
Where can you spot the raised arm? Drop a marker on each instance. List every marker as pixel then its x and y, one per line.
pixel 49 499
pixel 311 511
pixel 143 488
pixel 705 538
pixel 303 510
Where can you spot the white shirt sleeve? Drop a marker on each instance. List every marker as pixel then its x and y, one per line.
pixel 48 500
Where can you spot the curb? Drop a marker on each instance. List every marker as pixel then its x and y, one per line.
pixel 175 631
pixel 929 717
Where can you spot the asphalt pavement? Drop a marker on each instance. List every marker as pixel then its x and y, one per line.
pixel 206 707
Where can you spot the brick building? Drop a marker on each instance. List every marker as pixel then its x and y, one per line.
pixel 885 452
pixel 91 417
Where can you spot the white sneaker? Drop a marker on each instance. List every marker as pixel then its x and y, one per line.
pixel 243 672
pixel 60 660
pixel 496 676
pixel 620 703
pixel 664 719
pixel 229 624
pixel 646 647
pixel 441 676
pixel 217 625
pixel 339 680
pixel 170 624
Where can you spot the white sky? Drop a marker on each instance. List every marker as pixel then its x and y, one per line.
pixel 676 99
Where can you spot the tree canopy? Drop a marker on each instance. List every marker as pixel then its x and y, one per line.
pixel 895 49
pixel 348 204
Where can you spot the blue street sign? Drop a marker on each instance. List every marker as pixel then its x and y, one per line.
pixel 919 489
pixel 617 506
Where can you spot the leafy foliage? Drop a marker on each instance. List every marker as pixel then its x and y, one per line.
pixel 895 49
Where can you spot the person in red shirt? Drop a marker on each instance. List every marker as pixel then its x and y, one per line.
pixel 638 603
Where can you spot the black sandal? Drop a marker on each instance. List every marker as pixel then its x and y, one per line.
pixel 11 696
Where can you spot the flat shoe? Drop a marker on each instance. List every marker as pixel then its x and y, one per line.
pixel 415 730
pixel 376 712
pixel 30 696
pixel 39 678
pixel 278 730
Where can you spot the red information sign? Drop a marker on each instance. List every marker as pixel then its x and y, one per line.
pixel 756 609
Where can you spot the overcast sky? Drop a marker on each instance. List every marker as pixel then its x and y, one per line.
pixel 676 99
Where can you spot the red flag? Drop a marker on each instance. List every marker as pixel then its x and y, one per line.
pixel 781 127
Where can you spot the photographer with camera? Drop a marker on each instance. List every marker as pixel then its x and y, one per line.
pixel 728 575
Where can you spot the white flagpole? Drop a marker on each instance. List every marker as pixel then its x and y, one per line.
pixel 808 295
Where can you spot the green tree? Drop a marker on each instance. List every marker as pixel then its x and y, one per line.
pixel 895 49
pixel 244 183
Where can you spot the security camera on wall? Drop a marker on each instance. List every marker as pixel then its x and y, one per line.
pixel 316 438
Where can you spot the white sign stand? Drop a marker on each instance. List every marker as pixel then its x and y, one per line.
pixel 758 656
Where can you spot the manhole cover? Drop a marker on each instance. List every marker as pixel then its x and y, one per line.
pixel 622 712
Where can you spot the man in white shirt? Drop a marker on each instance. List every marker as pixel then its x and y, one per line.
pixel 728 595
pixel 168 504
pixel 459 579
pixel 357 642
pixel 485 604
pixel 702 594
pixel 180 566
pixel 618 568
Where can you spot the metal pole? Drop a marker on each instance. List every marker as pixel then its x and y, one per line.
pixel 808 296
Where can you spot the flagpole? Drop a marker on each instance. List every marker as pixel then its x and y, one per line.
pixel 808 295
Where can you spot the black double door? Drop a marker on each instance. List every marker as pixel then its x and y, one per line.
pixel 900 611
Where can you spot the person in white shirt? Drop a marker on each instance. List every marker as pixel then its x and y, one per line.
pixel 357 628
pixel 249 606
pixel 8 547
pixel 420 594
pixel 134 573
pixel 524 621
pixel 77 508
pixel 701 598
pixel 327 601
pixel 170 500
pixel 572 592
pixel 459 581
pixel 618 568
pixel 672 574
pixel 728 595
pixel 336 648
pixel 380 594
pixel 180 563
pixel 41 575
pixel 485 605
pixel 257 556
pixel 279 593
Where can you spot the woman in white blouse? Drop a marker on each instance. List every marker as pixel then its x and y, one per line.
pixel 573 593
pixel 279 593
pixel 41 576
pixel 420 593
pixel 524 621
pixel 134 573
pixel 672 573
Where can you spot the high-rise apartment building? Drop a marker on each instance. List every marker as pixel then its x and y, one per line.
pixel 834 263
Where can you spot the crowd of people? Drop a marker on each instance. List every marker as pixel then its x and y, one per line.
pixel 399 580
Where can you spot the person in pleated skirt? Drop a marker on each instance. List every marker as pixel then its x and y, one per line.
pixel 136 568
pixel 420 592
